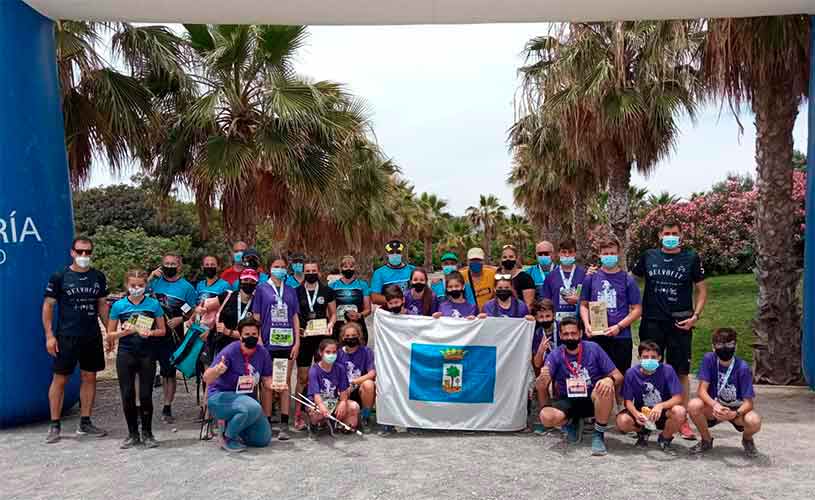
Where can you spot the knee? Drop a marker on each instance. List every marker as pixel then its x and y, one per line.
pixel 302 378
pixel 353 407
pixel 551 417
pixel 368 387
pixel 752 421
pixel 87 377
pixel 696 407
pixel 59 380
pixel 252 408
pixel 678 413
pixel 625 423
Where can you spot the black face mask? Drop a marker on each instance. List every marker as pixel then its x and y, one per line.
pixel 456 294
pixel 248 288
pixel 503 294
pixel 311 278
pixel 351 342
pixel 394 310
pixel 250 342
pixel 545 324
pixel 348 273
pixel 571 344
pixel 508 264
pixel 210 272
pixel 169 272
pixel 419 287
pixel 726 353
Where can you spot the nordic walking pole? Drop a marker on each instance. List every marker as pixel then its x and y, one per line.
pixel 310 404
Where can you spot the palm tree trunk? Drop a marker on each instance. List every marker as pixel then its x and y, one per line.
pixel 581 228
pixel 777 348
pixel 553 231
pixel 618 216
pixel 428 253
pixel 202 206
pixel 239 213
pixel 487 244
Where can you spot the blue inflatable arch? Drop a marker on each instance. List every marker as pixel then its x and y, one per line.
pixel 36 221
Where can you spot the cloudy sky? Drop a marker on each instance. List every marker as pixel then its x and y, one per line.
pixel 442 101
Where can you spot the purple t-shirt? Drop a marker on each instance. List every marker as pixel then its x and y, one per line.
pixel 739 385
pixel 260 365
pixel 415 306
pixel 517 309
pixel 595 364
pixel 554 283
pixel 266 303
pixel 329 384
pixel 537 338
pixel 356 363
pixel 650 390
pixel 618 290
pixel 454 310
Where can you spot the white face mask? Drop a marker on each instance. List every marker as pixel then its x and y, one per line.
pixel 83 261
pixel 136 292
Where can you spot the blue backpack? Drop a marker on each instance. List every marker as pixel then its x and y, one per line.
pixel 185 358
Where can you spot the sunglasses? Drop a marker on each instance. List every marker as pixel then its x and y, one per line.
pixel 82 251
pixel 727 344
pixel 544 253
pixel 503 277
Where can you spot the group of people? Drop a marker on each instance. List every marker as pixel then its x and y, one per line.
pixel 261 324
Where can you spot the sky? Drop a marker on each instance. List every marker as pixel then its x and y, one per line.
pixel 442 100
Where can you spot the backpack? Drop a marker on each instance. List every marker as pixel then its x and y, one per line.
pixel 185 358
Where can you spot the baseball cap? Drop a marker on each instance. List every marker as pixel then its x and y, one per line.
pixel 475 253
pixel 251 252
pixel 250 274
pixel 449 256
pixel 394 246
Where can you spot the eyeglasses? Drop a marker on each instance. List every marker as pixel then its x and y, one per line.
pixel 83 251
pixel 544 253
pixel 726 344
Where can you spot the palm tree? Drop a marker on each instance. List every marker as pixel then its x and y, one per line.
pixel 662 199
pixel 517 230
pixel 457 236
pixel 432 212
pixel 486 217
pixel 765 61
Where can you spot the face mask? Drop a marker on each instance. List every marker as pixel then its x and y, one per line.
pixel 419 287
pixel 567 261
pixel 609 260
pixel 237 257
pixel 394 310
pixel 311 278
pixel 476 267
pixel 725 353
pixel 278 272
pixel 670 242
pixel 351 341
pixel 545 260
pixel 135 292
pixel 448 269
pixel 394 259
pixel 571 344
pixel 508 264
pixel 545 324
pixel 503 294
pixel 250 342
pixel 297 267
pixel 83 261
pixel 169 272
pixel 210 272
pixel 248 288
pixel 649 365
pixel 456 294
pixel 348 273
pixel 330 358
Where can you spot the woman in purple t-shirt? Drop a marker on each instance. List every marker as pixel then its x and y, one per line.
pixel 419 298
pixel 455 305
pixel 328 387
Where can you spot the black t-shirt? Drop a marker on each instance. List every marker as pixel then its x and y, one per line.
pixel 229 317
pixel 77 296
pixel 669 281
pixel 324 295
pixel 522 281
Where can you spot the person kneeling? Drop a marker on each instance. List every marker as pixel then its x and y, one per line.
pixel 358 362
pixel 329 389
pixel 585 381
pixel 231 382
pixel 725 394
pixel 653 398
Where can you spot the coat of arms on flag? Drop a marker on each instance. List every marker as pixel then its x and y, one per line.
pixel 453 370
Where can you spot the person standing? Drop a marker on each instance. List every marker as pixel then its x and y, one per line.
pixel 235 307
pixel 395 272
pixel 295 279
pixel 353 297
pixel 251 260
pixel 420 299
pixel 480 277
pixel 178 298
pixel 543 266
pixel 449 264
pixel 233 272
pixel 79 292
pixel 211 285
pixel 672 275
pixel 522 283
pixel 562 285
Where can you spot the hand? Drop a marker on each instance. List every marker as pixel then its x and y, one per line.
pixel 687 324
pixel 482 316
pixel 342 410
pixel 110 340
pixel 470 317
pixel 613 331
pixel 174 322
pixel 720 412
pixel 529 317
pixel 200 310
pixel 435 280
pixel 324 411
pixel 157 273
pixel 588 330
pixel 221 367
pixel 544 346
pixel 571 299
pixel 353 315
pixel 605 387
pixel 330 327
pixel 640 418
pixel 656 413
pixel 126 329
pixel 204 335
pixel 591 270
pixel 295 350
pixel 145 334
pixel 221 328
pixel 235 334
pixel 437 315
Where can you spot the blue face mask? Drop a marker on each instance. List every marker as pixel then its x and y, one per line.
pixel 278 272
pixel 297 267
pixel 567 261
pixel 395 259
pixel 649 365
pixel 330 358
pixel 544 260
pixel 609 260
pixel 448 269
pixel 476 267
pixel 670 242
pixel 237 257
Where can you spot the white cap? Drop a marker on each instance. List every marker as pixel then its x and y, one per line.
pixel 475 253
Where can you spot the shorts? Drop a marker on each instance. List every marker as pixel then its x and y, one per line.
pixel 355 396
pixel 85 350
pixel 575 407
pixel 659 423
pixel 675 343
pixel 713 423
pixel 308 347
pixel 280 353
pixel 619 350
pixel 163 350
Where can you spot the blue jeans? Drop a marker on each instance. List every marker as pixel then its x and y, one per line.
pixel 244 417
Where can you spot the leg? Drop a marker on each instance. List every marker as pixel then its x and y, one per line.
pixel 367 393
pixel 302 383
pixel 352 414
pixel 752 424
pixel 676 417
pixel 552 417
pixel 87 393
pixel 625 423
pixel 91 360
pixel 700 413
pixel 602 412
pixel 259 433
pixel 168 388
pixel 126 374
pixel 56 395
pixel 283 435
pixel 679 356
pixel 147 371
pixel 266 400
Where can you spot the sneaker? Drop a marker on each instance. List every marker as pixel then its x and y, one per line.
pixel 364 425
pixel 701 447
pixel 53 434
pixel 167 416
pixel 233 445
pixel 686 432
pixel 283 435
pixel 572 434
pixel 387 430
pixel 299 422
pixel 665 444
pixel 598 444
pixel 130 441
pixel 642 439
pixel 149 441
pixel 749 448
pixel 90 430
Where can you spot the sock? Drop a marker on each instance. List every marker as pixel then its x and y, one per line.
pixel 56 423
pixel 601 428
pixel 366 412
pixel 166 410
pixel 284 419
pixel 84 420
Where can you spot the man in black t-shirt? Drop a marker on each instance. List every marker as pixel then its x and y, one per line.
pixel 79 291
pixel 669 313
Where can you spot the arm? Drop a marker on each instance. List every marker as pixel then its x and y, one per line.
pixel 537 358
pixel 295 349
pixel 161 328
pixel 371 375
pixel 212 373
pixel 701 393
pixel 103 308
pixel 332 315
pixel 366 306
pixel 529 297
pixel 318 400
pixel 543 383
pixel 634 313
pixel 584 315
pixel 48 325
pixel 377 298
pixel 701 300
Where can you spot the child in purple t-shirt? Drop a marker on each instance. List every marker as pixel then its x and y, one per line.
pixel 358 361
pixel 725 394
pixel 455 305
pixel 419 298
pixel 328 388
pixel 505 305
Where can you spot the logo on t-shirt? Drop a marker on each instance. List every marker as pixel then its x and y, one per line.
pixel 728 392
pixel 607 294
pixel 650 395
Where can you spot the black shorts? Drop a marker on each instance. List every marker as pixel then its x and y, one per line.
pixel 619 350
pixel 660 423
pixel 575 407
pixel 85 350
pixel 713 422
pixel 163 350
pixel 355 396
pixel 308 347
pixel 674 342
pixel 280 353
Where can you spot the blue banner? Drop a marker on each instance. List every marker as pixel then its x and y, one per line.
pixel 452 374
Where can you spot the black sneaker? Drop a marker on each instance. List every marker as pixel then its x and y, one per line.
pixel 130 441
pixel 167 416
pixel 90 430
pixel 642 439
pixel 701 447
pixel 148 440
pixel 665 444
pixel 749 448
pixel 53 434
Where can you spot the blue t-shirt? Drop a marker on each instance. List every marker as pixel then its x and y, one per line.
pixel 172 295
pixel 538 277
pixel 209 291
pixel 387 275
pixel 349 296
pixel 440 289
pixel 123 309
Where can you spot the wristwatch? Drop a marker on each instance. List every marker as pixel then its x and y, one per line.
pixel 738 414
